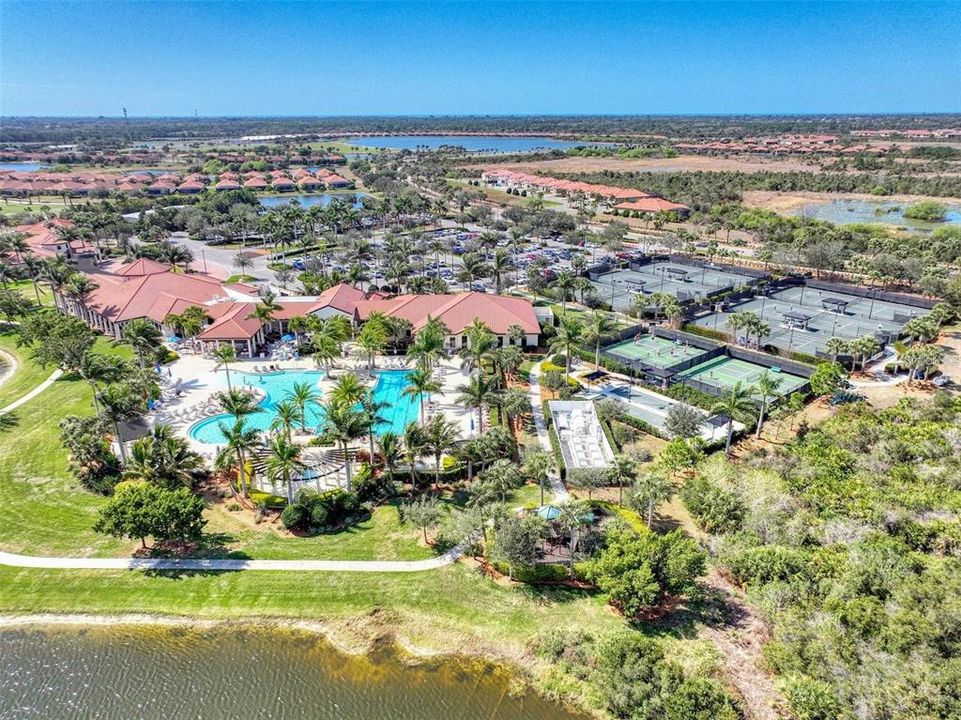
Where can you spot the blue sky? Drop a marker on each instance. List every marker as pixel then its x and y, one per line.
pixel 501 57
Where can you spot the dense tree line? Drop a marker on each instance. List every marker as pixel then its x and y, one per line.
pixel 138 129
pixel 701 190
pixel 848 540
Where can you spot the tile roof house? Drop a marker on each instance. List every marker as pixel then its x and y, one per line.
pixel 651 205
pixel 458 312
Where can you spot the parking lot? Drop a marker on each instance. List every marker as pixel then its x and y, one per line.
pixel 686 283
pixel 804 319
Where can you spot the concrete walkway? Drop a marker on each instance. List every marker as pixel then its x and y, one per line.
pixel 54 376
pixel 367 566
pixel 560 492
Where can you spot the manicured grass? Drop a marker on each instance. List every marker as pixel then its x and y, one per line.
pixel 381 537
pixel 45 511
pixel 28 374
pixel 25 288
pixel 240 279
pixel 441 609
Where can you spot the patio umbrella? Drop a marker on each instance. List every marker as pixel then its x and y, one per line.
pixel 548 512
pixel 287 338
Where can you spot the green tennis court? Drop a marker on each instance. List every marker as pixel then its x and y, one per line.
pixel 654 351
pixel 725 372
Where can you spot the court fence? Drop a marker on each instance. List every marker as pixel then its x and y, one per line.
pixel 876 293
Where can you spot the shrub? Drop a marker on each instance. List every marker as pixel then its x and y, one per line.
pixel 294 517
pixel 716 509
pixel 700 699
pixel 810 699
pixel 766 564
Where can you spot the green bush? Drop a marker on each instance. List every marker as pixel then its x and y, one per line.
pixel 766 564
pixel 294 517
pixel 540 573
pixel 266 500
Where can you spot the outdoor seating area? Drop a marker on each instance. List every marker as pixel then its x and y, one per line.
pixel 583 443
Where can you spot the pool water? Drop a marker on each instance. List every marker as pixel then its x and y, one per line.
pixel 399 410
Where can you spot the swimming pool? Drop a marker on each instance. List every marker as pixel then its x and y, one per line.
pixel 400 409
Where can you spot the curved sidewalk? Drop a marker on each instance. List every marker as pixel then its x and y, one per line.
pixel 226 565
pixel 560 492
pixel 54 376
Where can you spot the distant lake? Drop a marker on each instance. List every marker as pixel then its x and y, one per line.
pixel 158 673
pixel 23 166
pixel 472 143
pixel 845 212
pixel 322 199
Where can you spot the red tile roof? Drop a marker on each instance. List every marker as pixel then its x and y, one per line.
pixel 651 204
pixel 457 311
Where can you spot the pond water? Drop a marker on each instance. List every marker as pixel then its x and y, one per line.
pixel 472 143
pixel 22 166
pixel 126 672
pixel 322 199
pixel 844 212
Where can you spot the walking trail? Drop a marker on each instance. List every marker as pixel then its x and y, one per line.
pixel 540 424
pixel 368 566
pixel 54 376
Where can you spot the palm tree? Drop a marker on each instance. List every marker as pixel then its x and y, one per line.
pixel 119 405
pixel 537 465
pixel 391 450
pixel 369 346
pixel 144 337
pixel 570 334
pixel 79 288
pixel 439 437
pixel 420 384
pixel 190 322
pixel 735 404
pixel 348 389
pixel 480 342
pixel 224 355
pixel 623 471
pixel 515 403
pixel 649 491
pixel 239 441
pixel 287 414
pixel 500 264
pixel 767 388
pixel 565 286
pixel 598 326
pixel 303 395
pixel 284 463
pixel 571 517
pixel 266 309
pixel 414 447
pixel 343 423
pixel 163 458
pixel 836 346
pixel 371 408
pixel 238 403
pixel 475 394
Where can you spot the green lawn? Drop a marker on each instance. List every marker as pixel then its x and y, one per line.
pixel 381 537
pixel 441 609
pixel 28 374
pixel 25 288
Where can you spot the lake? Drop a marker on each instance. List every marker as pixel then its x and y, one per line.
pixel 322 199
pixel 123 672
pixel 472 143
pixel 844 212
pixel 22 166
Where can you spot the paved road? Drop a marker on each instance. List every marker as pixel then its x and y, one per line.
pixel 560 492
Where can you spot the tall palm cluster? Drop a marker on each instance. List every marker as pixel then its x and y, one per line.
pixel 490 368
pixel 751 324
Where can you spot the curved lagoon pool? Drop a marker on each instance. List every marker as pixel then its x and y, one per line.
pixel 399 409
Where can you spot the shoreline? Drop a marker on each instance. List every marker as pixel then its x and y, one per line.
pixel 365 635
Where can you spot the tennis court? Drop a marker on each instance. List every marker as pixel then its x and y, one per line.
pixel 685 282
pixel 804 319
pixel 654 351
pixel 725 372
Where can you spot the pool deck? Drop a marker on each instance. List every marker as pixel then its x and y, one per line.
pixel 195 377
